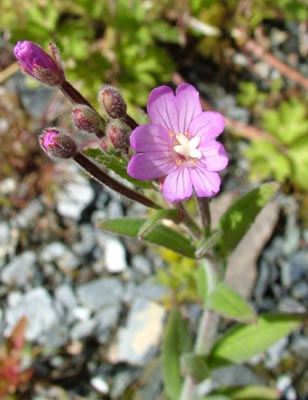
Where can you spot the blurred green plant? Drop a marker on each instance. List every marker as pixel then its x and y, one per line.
pixel 287 157
pixel 180 277
pixel 100 41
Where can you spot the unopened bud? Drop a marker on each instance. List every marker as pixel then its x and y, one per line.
pixel 106 145
pixel 112 102
pixel 118 134
pixel 57 144
pixel 35 62
pixel 87 120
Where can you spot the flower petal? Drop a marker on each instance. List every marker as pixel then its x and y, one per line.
pixel 150 138
pixel 188 105
pixel 146 166
pixel 214 156
pixel 205 183
pixel 177 185
pixel 207 125
pixel 162 108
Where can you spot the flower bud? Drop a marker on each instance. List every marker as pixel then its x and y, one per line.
pixel 106 145
pixel 87 120
pixel 112 102
pixel 57 144
pixel 35 62
pixel 118 134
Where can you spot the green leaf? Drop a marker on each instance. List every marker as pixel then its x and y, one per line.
pixel 177 341
pixel 239 217
pixel 242 342
pixel 116 164
pixel 249 393
pixel 195 366
pixel 208 243
pixel 173 215
pixel 159 234
pixel 207 281
pixel 231 304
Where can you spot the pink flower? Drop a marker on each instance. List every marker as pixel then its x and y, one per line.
pixel 36 62
pixel 179 146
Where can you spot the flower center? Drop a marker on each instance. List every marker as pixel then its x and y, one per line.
pixel 187 148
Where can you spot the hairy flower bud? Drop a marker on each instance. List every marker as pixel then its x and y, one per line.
pixel 35 62
pixel 57 144
pixel 118 134
pixel 87 120
pixel 112 102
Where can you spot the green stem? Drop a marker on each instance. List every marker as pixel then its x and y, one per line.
pixel 103 178
pixel 204 211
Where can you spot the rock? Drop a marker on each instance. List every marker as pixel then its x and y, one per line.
pixel 20 271
pixel 4 240
pixel 120 383
pixel 141 336
pixel 289 305
pixel 29 216
pixel 142 265
pixel 37 306
pixel 300 290
pixel 61 255
pixel 100 384
pixel 74 197
pixel 65 296
pixel 115 255
pixel 83 329
pixel 100 293
pixel 275 352
pixel 107 319
pixel 86 241
pixel 151 290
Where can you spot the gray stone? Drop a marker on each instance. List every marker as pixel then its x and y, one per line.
pixel 100 384
pixel 4 239
pixel 65 296
pixel 100 293
pixel 121 382
pixel 20 270
pixel 289 305
pixel 115 255
pixel 142 335
pixel 141 264
pixel 56 337
pixel 74 197
pixel 28 216
pixel 86 242
pixel 300 290
pixel 37 306
pixel 107 319
pixel 114 209
pixel 275 352
pixel 61 255
pixel 83 329
pixel 151 290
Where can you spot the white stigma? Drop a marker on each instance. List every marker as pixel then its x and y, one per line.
pixel 186 147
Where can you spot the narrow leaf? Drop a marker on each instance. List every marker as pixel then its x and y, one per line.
pixel 195 366
pixel 249 393
pixel 159 234
pixel 239 217
pixel 231 304
pixel 207 281
pixel 173 215
pixel 242 342
pixel 177 341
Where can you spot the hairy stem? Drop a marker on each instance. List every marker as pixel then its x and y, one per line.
pixel 204 211
pixel 103 178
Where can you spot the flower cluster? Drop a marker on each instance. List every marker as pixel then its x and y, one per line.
pixel 179 146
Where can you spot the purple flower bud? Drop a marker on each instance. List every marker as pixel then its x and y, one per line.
pixel 34 61
pixel 57 144
pixel 112 102
pixel 118 134
pixel 87 120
